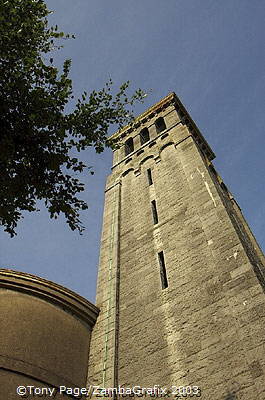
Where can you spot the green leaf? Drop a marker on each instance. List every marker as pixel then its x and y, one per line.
pixel 37 135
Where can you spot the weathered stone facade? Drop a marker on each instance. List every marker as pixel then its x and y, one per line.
pixel 194 314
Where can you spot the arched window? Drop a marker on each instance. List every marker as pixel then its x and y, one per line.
pixel 144 135
pixel 160 124
pixel 129 146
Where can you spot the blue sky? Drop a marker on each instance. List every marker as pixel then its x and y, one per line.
pixel 211 53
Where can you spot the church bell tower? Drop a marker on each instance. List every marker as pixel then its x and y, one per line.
pixel 181 278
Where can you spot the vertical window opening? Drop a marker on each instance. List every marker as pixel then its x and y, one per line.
pixel 163 272
pixel 160 125
pixel 149 177
pixel 144 136
pixel 154 211
pixel 129 146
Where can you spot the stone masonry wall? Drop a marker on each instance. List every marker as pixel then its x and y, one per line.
pixel 207 327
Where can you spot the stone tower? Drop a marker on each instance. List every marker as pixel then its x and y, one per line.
pixel 181 278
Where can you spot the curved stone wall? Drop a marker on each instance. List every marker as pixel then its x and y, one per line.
pixel 45 334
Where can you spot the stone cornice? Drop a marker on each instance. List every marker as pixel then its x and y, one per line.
pixel 170 99
pixel 51 292
pixel 142 118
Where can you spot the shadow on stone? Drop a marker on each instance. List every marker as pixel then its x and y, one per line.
pixel 230 396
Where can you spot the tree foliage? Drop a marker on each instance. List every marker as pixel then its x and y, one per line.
pixel 36 134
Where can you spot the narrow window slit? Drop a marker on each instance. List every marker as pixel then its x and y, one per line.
pixel 149 177
pixel 164 136
pixel 154 211
pixel 152 144
pixel 163 272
